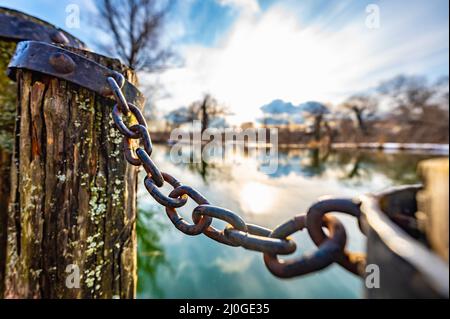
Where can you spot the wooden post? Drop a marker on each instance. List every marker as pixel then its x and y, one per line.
pixel 432 203
pixel 73 198
pixel 7 117
pixel 16 26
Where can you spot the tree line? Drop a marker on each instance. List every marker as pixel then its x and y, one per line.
pixel 403 103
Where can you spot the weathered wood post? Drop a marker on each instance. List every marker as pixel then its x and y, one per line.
pixel 433 203
pixel 7 116
pixel 73 197
pixel 16 26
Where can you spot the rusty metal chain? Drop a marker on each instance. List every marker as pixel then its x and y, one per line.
pixel 331 247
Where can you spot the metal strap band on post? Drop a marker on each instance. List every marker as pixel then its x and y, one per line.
pixel 66 65
pixel 17 26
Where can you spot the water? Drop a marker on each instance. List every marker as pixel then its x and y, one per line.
pixel 173 265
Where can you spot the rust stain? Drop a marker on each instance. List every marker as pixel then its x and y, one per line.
pixel 35 146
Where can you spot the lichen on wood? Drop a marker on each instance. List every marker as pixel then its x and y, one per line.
pixel 7 97
pixel 74 196
pixel 7 119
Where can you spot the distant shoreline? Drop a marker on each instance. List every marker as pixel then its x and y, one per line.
pixel 435 148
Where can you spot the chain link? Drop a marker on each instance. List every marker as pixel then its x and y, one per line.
pixel 328 252
pixel 237 233
pixel 117 117
pixel 200 224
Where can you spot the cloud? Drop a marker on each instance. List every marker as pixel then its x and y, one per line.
pixel 279 107
pixel 241 264
pixel 276 55
pixel 247 6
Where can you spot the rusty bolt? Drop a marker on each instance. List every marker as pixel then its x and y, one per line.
pixel 62 63
pixel 59 37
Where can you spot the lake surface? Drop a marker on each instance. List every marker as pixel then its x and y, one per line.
pixel 173 265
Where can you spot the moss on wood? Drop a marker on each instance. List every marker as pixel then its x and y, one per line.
pixel 7 97
pixel 7 119
pixel 74 195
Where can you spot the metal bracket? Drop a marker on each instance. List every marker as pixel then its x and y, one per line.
pixel 18 26
pixel 66 65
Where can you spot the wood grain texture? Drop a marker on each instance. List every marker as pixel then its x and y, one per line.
pixel 433 203
pixel 7 119
pixel 73 195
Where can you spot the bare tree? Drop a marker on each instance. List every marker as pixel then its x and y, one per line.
pixel 419 107
pixel 363 106
pixel 208 108
pixel 317 112
pixel 441 92
pixel 136 27
pixel 204 110
pixel 409 96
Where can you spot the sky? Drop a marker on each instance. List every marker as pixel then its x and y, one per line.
pixel 247 53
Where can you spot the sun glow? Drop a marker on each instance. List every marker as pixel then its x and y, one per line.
pixel 279 54
pixel 266 57
pixel 257 198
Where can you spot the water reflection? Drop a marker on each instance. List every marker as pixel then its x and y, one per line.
pixel 151 255
pixel 209 171
pixel 173 265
